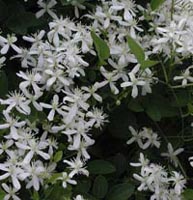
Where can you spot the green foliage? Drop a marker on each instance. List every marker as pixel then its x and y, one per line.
pixel 188 194
pixel 100 187
pixel 155 4
pixel 139 54
pixel 121 191
pixel 102 48
pixel 100 167
pixel 3 83
pixel 58 156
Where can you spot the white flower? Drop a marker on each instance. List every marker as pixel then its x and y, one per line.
pixel 30 79
pixel 79 197
pixel 172 154
pixel 12 124
pixel 97 118
pixel 46 7
pixel 65 178
pixel 185 77
pixel 16 100
pixel 136 136
pixel 151 138
pixel 178 182
pixel 8 42
pixel 77 167
pixel 128 6
pixel 34 147
pixel 134 82
pixel 11 192
pixel 91 91
pixel 11 171
pixel 55 107
pixel 34 172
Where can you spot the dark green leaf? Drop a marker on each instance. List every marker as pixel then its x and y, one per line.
pixel 100 167
pixel 83 186
pixel 136 49
pixel 58 192
pixel 156 4
pixel 3 10
pixel 101 48
pixel 100 187
pixel 135 105
pixel 3 84
pixel 20 22
pixel 188 194
pixel 121 192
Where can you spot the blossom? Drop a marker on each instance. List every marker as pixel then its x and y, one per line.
pixel 185 77
pixel 77 167
pixel 11 192
pixel 12 124
pixel 46 7
pixel 178 182
pixel 134 82
pixel 65 178
pixel 136 136
pixel 34 147
pixel 55 107
pixel 8 42
pixel 172 154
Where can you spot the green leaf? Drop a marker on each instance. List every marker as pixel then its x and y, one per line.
pixel 158 106
pixel 155 4
pixel 36 196
pixel 135 105
pixel 148 63
pixel 3 10
pixel 83 186
pixel 100 187
pixel 100 167
pixel 121 192
pixel 58 192
pixel 136 49
pixel 58 156
pixel 101 48
pixel 71 2
pixel 2 194
pixel 20 22
pixel 187 194
pixel 3 84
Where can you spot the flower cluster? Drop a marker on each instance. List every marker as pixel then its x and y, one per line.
pixel 55 109
pixel 155 178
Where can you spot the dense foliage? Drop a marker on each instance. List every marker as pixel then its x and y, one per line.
pixel 96 99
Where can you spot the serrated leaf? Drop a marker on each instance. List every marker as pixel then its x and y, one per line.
pixel 100 167
pixel 155 4
pixel 100 187
pixel 121 192
pixel 136 49
pixel 102 48
pixel 58 156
